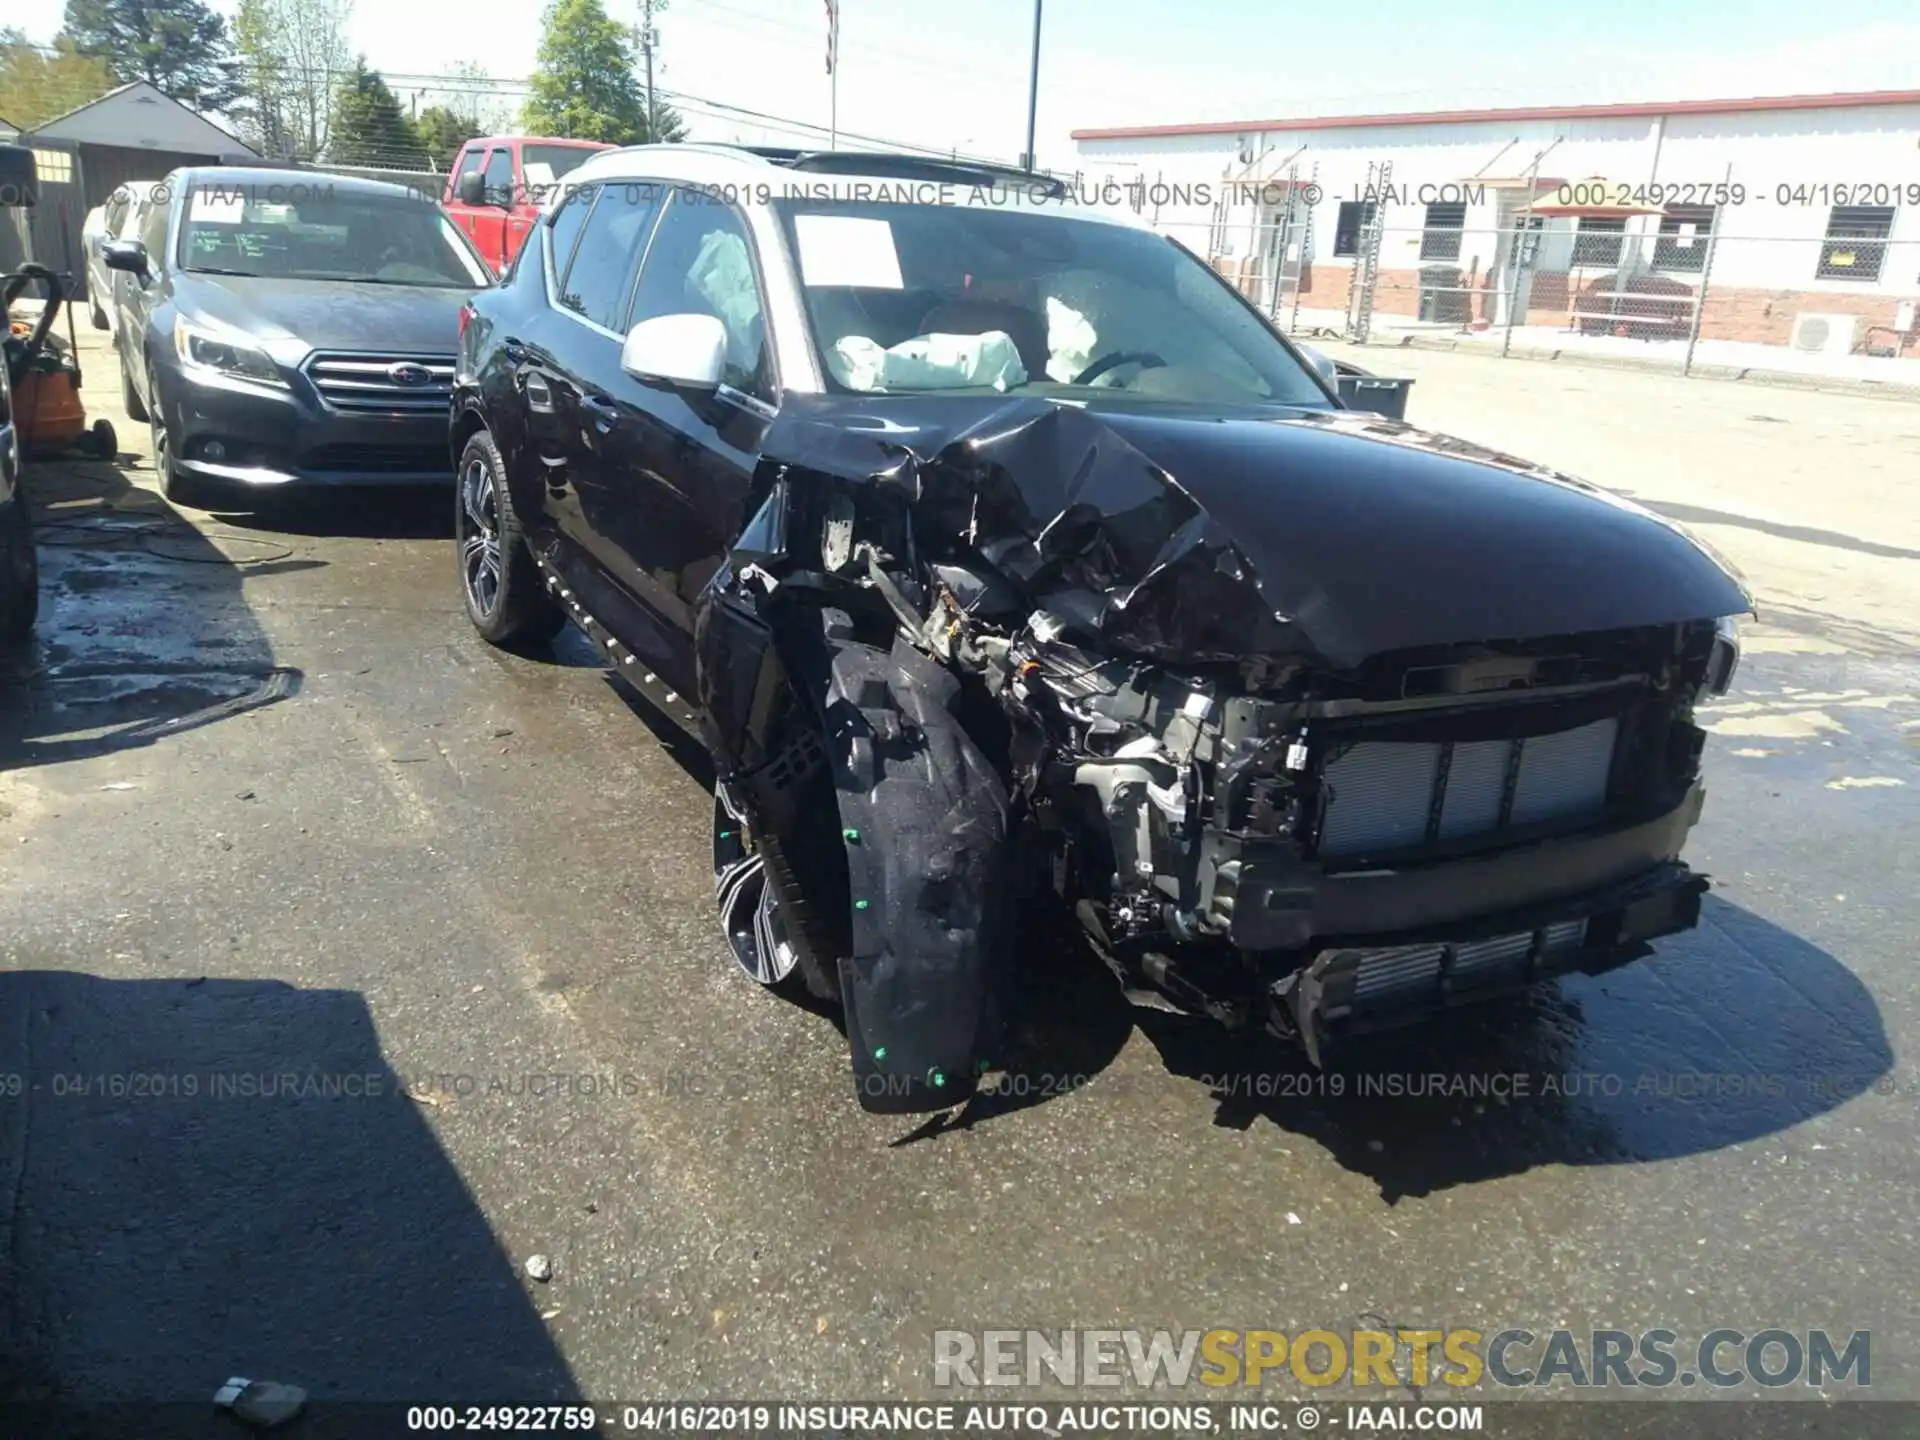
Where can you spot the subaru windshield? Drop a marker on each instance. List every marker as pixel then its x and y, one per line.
pixel 952 299
pixel 322 231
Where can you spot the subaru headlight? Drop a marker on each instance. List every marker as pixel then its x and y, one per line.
pixel 1725 657
pixel 224 352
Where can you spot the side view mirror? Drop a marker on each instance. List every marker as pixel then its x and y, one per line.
pixel 471 188
pixel 1322 364
pixel 689 351
pixel 127 255
pixel 19 176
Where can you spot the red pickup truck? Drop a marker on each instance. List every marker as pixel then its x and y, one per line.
pixel 497 185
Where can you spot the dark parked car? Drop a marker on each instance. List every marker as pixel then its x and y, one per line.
pixel 19 565
pixel 290 328
pixel 998 549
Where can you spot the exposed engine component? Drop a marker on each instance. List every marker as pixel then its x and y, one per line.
pixel 1269 798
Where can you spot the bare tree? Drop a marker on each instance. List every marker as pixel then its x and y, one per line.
pixel 295 55
pixel 475 98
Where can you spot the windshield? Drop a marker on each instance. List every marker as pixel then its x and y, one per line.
pixel 323 232
pixel 542 165
pixel 910 299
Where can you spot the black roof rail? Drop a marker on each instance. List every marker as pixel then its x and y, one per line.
pixel 908 167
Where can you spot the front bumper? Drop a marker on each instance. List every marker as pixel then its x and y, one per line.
pixel 1379 984
pixel 264 437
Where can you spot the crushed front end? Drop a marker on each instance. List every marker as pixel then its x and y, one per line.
pixel 1218 684
pixel 1327 853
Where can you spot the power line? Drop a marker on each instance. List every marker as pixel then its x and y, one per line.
pixel 712 108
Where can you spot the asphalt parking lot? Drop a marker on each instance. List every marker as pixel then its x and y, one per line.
pixel 270 814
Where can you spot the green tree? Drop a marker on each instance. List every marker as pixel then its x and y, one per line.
pixel 39 82
pixel 584 87
pixel 442 132
pixel 368 126
pixel 180 46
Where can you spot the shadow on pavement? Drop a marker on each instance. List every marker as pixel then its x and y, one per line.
pixel 374 512
pixel 144 631
pixel 204 1178
pixel 1733 1032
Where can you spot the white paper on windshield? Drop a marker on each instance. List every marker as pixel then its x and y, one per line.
pixel 219 207
pixel 538 172
pixel 847 250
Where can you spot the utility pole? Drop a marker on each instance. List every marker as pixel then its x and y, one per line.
pixel 647 38
pixel 1027 161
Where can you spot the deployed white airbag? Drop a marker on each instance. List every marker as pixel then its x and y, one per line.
pixel 928 362
pixel 1070 341
pixel 722 275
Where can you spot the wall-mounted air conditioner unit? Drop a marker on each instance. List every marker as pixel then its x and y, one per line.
pixel 1824 334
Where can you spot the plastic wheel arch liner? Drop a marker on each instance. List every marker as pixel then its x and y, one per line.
pixel 924 818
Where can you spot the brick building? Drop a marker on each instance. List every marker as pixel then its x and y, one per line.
pixel 1792 220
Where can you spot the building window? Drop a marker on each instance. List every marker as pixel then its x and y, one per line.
pixel 1856 244
pixel 1598 241
pixel 1354 216
pixel 1440 237
pixel 55 167
pixel 1682 242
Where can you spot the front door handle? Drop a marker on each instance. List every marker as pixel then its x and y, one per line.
pixel 603 410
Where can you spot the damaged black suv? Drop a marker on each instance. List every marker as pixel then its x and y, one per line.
pixel 992 546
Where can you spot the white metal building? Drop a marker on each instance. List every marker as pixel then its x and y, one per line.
pixel 1623 219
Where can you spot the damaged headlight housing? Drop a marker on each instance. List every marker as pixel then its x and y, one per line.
pixel 214 350
pixel 1725 656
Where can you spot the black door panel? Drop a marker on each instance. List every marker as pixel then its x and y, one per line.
pixel 687 457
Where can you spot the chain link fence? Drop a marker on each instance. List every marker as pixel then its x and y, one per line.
pixel 1695 288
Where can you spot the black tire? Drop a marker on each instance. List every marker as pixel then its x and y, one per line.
pixel 506 599
pixel 129 397
pixel 102 439
pixel 97 315
pixel 19 573
pixel 179 489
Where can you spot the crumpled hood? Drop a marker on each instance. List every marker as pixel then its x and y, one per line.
pixel 1203 535
pixel 330 314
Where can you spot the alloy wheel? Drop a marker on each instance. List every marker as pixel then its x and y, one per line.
pixel 480 536
pixel 749 915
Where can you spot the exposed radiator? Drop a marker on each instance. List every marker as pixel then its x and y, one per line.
pixel 1393 976
pixel 1392 795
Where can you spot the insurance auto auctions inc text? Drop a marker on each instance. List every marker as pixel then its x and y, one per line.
pixel 1403 1358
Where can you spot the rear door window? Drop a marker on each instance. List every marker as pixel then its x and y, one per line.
pixel 564 231
pixel 609 250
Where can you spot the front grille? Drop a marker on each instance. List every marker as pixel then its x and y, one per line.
pixel 1392 795
pixel 383 384
pixel 378 459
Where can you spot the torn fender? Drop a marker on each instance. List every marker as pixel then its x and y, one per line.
pixel 1216 534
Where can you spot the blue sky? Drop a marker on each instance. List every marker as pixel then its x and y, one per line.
pixel 936 73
